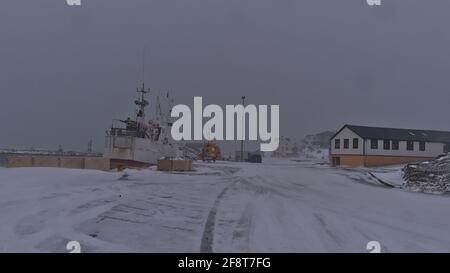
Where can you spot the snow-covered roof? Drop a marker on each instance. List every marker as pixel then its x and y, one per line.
pixel 398 134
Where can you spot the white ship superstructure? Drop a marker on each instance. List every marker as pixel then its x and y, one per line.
pixel 140 142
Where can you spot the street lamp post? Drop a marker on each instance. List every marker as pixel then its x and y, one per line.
pixel 243 122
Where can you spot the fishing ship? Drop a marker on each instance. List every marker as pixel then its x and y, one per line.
pixel 138 142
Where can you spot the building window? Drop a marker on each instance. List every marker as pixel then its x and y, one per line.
pixel 386 144
pixel 410 145
pixel 337 143
pixel 374 144
pixel 394 144
pixel 355 143
pixel 422 146
pixel 346 143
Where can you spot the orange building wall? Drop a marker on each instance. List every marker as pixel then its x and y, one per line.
pixel 352 160
pixel 379 160
pixel 376 160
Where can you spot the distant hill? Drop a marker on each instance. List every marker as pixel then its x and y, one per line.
pixel 315 146
pixel 317 141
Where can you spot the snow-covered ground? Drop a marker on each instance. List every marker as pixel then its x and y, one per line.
pixel 276 206
pixel 314 154
pixel 393 177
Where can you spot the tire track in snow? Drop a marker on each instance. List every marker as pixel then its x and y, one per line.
pixel 206 245
pixel 381 181
pixel 208 232
pixel 242 233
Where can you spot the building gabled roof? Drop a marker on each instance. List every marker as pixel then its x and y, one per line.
pixel 398 134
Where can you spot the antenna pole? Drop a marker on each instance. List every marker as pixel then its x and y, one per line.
pixel 142 103
pixel 143 69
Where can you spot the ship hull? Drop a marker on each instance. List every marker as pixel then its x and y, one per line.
pixel 135 152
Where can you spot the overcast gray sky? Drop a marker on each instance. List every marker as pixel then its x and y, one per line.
pixel 65 72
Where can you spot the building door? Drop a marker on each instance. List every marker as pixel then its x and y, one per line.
pixel 336 161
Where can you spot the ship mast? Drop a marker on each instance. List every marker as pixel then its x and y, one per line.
pixel 142 102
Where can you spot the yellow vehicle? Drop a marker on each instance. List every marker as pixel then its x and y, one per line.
pixel 210 152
